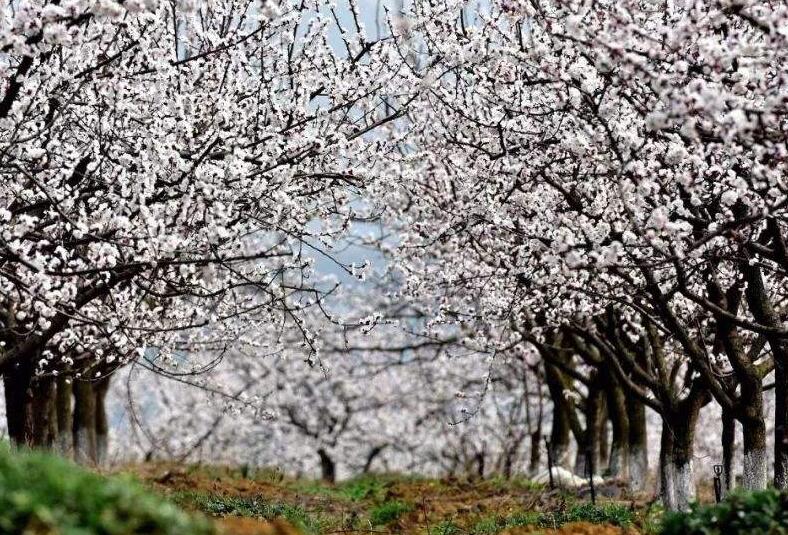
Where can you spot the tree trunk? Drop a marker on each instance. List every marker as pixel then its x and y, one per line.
pixel 534 430
pixel 638 444
pixel 373 454
pixel 100 389
pixel 683 424
pixel 536 451
pixel 619 452
pixel 17 382
pixel 479 461
pixel 759 302
pixel 728 448
pixel 65 420
pixel 84 422
pixel 53 430
pixel 560 431
pixel 603 444
pixel 588 442
pixel 754 475
pixel 328 468
pixel 667 489
pixel 43 391
pixel 780 422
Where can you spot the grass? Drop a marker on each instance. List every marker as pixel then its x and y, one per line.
pixel 220 505
pixel 616 515
pixel 444 528
pixel 516 482
pixel 44 494
pixel 388 512
pixel 386 503
pixel 368 487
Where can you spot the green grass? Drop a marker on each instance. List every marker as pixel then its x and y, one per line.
pixel 44 494
pixel 598 514
pixel 487 526
pixel 310 523
pixel 444 528
pixel 369 487
pixel 516 482
pixel 618 515
pixel 388 512
pixel 363 488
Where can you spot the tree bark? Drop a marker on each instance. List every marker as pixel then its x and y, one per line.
pixel 619 419
pixel 588 441
pixel 371 456
pixel 17 382
pixel 754 465
pixel 603 442
pixel 638 444
pixel 682 424
pixel 780 423
pixel 762 310
pixel 536 451
pixel 43 400
pixel 666 476
pixel 65 420
pixel 84 423
pixel 728 448
pixel 328 467
pixel 560 431
pixel 100 389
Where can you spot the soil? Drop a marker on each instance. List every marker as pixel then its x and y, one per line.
pixel 235 525
pixel 459 502
pixel 575 528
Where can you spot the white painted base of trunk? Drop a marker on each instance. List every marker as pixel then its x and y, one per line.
pixel 667 487
pixel 618 463
pixel 102 447
pixel 754 475
pixel 638 469
pixel 781 467
pixel 82 447
pixel 64 443
pixel 683 485
pixel 561 456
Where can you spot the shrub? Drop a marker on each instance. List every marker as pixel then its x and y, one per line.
pixel 41 494
pixel 756 513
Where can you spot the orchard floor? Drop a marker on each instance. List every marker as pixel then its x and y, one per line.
pixel 265 503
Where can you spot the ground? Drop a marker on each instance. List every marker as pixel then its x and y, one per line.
pixel 245 502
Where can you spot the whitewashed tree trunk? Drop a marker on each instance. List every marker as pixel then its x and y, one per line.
pixel 683 484
pixel 667 490
pixel 754 474
pixel 638 469
pixel 618 461
pixel 667 487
